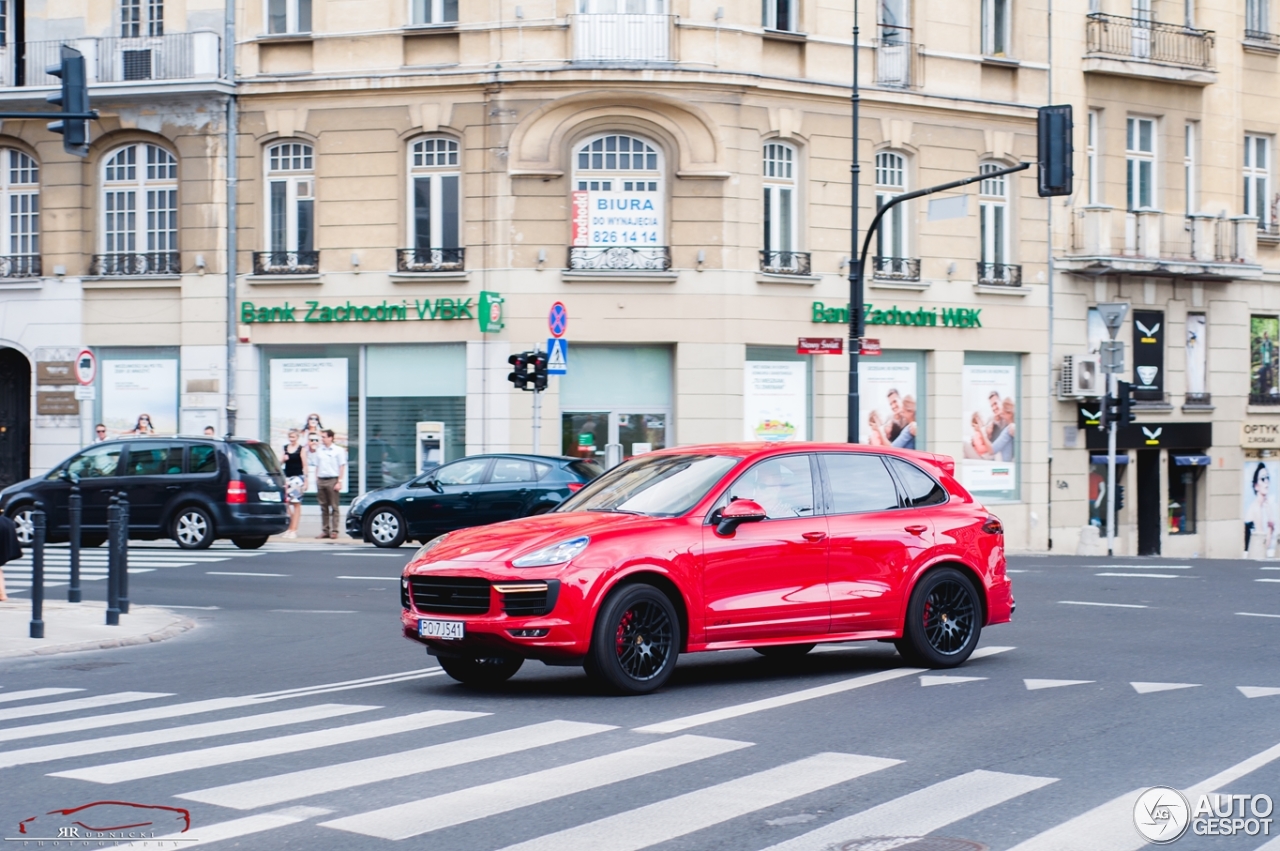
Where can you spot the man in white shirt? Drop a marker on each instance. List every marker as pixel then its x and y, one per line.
pixel 331 466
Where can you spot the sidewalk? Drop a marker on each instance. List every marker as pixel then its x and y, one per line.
pixel 309 529
pixel 72 627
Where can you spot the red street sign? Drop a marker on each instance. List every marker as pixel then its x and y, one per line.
pixel 558 319
pixel 869 347
pixel 820 346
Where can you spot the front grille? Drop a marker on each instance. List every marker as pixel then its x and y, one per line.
pixel 449 595
pixel 524 604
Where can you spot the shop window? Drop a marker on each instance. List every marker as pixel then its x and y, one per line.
pixel 1184 483
pixel 141 18
pixel 618 206
pixel 435 235
pixel 1098 490
pixel 139 212
pixel 291 204
pixel 435 12
pixel 288 16
pixel 597 409
pixel 20 224
pixel 990 424
pixel 1264 389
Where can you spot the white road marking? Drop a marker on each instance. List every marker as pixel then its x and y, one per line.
pixel 685 814
pixel 1148 575
pixel 1258 691
pixel 1256 615
pixel 423 816
pixel 1151 688
pixel 231 726
pixel 984 652
pixel 1266 580
pixel 1106 605
pixel 1036 685
pixel 79 703
pixel 172 763
pixel 374 555
pixel 201 835
pixel 1138 567
pixel 947 681
pixel 676 725
pixel 852 645
pixel 234 573
pixel 34 693
pixel 921 812
pixel 375 578
pixel 200 608
pixel 314 611
pixel 265 791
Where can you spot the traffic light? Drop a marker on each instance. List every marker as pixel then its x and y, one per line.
pixel 1055 150
pixel 519 370
pixel 539 364
pixel 74 100
pixel 1105 412
pixel 1124 411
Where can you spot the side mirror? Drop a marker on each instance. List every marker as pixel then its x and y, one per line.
pixel 736 513
pixel 68 476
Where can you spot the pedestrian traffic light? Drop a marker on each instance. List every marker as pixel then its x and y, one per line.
pixel 1055 150
pixel 1124 411
pixel 519 370
pixel 74 100
pixel 1119 496
pixel 539 364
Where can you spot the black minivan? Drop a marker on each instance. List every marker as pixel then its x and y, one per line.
pixel 194 490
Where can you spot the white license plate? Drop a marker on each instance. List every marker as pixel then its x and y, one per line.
pixel 447 630
pixel 268 496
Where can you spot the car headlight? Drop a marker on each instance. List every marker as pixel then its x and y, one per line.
pixel 359 504
pixel 557 553
pixel 428 547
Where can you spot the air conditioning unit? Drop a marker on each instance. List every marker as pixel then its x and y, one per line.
pixel 1082 375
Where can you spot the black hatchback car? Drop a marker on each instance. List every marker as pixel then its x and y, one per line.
pixel 194 490
pixel 473 491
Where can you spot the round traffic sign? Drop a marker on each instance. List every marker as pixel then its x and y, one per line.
pixel 558 319
pixel 86 367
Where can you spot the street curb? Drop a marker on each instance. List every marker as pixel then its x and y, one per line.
pixel 182 625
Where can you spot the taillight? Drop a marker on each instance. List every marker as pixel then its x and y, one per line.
pixel 993 526
pixel 574 487
pixel 236 493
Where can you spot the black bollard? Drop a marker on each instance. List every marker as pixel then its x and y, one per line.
pixel 113 562
pixel 37 571
pixel 122 578
pixel 73 513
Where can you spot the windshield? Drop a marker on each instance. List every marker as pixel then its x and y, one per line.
pixel 659 485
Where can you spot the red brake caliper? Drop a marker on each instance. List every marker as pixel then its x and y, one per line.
pixel 622 630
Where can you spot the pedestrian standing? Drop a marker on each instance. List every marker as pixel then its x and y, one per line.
pixel 10 549
pixel 294 458
pixel 331 467
pixel 99 433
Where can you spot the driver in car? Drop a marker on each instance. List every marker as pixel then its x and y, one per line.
pixel 779 490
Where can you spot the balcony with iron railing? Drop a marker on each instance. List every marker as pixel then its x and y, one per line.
pixel 431 260
pixel 1140 47
pixel 286 263
pixel 899 61
pixel 620 258
pixel 1262 41
pixel 136 264
pixel 899 269
pixel 174 56
pixel 785 262
pixel 16 266
pixel 999 275
pixel 628 38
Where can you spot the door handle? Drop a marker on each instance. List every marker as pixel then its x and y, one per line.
pixel 814 537
pixel 917 530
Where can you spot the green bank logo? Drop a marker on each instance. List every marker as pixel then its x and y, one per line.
pixel 932 317
pixel 417 310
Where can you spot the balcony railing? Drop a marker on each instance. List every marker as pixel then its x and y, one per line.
pixel 622 38
pixel 1272 397
pixel 1149 41
pixel 895 268
pixel 431 260
pixel 999 275
pixel 286 263
pixel 620 258
pixel 20 266
pixel 176 56
pixel 1262 37
pixel 898 59
pixel 785 262
pixel 129 265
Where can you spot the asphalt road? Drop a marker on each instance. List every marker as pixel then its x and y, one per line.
pixel 296 716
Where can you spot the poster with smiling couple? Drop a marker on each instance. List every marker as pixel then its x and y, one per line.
pixel 990 428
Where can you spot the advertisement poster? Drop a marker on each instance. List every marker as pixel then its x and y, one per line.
pixel 990 428
pixel 775 400
pixel 1259 508
pixel 1148 354
pixel 1197 353
pixel 310 394
pixel 140 396
pixel 631 218
pixel 887 393
pixel 1263 331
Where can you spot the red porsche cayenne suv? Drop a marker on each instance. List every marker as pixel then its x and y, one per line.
pixel 775 547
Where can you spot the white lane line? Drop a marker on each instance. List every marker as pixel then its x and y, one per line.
pixel 1036 685
pixel 345 685
pixel 947 681
pixel 1110 825
pixel 404 555
pixel 921 812
pixel 112 744
pixel 313 611
pixel 1138 566
pixel 234 573
pixel 1266 580
pixel 1148 575
pixel 1269 568
pixel 34 693
pixel 171 763
pixel 1258 691
pixel 378 578
pixel 1104 605
pixel 676 725
pixel 79 703
pixel 266 791
pixel 685 814
pixel 234 829
pixel 200 608
pixel 1256 615
pixel 984 652
pixel 423 816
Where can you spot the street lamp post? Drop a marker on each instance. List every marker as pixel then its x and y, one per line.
pixel 855 267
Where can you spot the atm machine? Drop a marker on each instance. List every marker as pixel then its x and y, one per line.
pixel 430 444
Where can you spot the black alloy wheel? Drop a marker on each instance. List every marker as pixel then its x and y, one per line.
pixel 249 543
pixel 193 528
pixel 636 640
pixel 91 541
pixel 944 620
pixel 784 651
pixel 481 670
pixel 385 527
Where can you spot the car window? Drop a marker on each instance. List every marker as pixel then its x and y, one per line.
pixel 859 483
pixel 658 485
pixel 202 458
pixel 918 487
pixel 783 487
pixel 468 471
pixel 511 470
pixel 154 459
pixel 585 469
pixel 96 462
pixel 255 459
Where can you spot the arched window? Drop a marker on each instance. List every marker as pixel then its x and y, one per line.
pixel 290 211
pixel 781 227
pixel 435 190
pixel 20 185
pixel 139 212
pixel 891 181
pixel 993 217
pixel 618 201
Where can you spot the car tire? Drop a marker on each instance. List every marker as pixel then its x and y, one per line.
pixel 249 543
pixel 784 651
pixel 21 517
pixel 480 670
pixel 385 527
pixel 944 620
pixel 192 528
pixel 88 542
pixel 635 642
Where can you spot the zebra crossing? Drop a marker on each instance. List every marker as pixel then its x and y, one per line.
pixel 75 744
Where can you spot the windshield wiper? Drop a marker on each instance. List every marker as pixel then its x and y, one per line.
pixel 618 511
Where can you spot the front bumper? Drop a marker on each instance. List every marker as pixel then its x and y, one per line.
pixel 355 525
